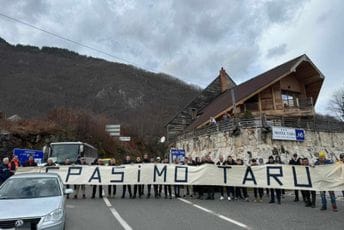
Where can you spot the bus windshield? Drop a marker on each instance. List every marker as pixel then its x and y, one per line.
pixel 64 151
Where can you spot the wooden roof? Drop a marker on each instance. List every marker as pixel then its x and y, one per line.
pixel 221 83
pixel 247 89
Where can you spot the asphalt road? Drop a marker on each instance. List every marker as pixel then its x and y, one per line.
pixel 190 213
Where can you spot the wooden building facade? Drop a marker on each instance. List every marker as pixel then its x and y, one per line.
pixel 289 90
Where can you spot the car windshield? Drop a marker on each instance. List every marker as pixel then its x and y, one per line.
pixel 27 188
pixel 65 151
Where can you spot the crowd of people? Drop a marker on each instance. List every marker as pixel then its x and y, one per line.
pixel 9 166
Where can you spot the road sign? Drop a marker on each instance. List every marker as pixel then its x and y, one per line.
pixel 113 130
pixel 286 133
pixel 177 154
pixel 125 138
pixel 24 154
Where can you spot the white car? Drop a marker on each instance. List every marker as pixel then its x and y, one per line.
pixel 33 201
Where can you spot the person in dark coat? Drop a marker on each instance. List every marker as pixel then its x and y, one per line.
pixel 127 161
pixel 30 162
pixel 138 187
pixel 157 187
pixel 94 187
pixel 308 195
pixel 77 188
pixel 295 161
pixel 238 190
pixel 257 191
pixel 210 189
pixel 222 162
pixel 167 188
pixel 146 160
pixel 274 192
pixel 231 189
pixel 67 162
pixel 112 188
pixel 4 170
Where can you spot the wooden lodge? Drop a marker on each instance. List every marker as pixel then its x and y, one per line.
pixel 288 90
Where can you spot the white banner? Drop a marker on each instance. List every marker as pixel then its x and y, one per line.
pixel 321 178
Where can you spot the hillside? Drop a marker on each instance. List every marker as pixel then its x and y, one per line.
pixel 36 80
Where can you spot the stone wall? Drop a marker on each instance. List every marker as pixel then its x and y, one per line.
pixel 261 145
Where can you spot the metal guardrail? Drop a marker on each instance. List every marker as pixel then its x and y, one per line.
pixel 232 124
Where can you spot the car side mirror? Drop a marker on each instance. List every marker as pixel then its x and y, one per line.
pixel 68 191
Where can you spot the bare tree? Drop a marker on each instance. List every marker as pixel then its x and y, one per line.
pixel 336 104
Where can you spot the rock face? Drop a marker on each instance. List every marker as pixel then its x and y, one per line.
pixel 258 144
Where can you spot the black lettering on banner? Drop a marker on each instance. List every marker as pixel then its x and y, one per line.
pixel 52 168
pixel 139 174
pixel 176 174
pixel 96 177
pixel 117 173
pixel 224 172
pixel 309 185
pixel 71 171
pixel 275 176
pixel 251 178
pixel 156 171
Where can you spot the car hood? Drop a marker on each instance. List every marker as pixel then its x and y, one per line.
pixel 26 208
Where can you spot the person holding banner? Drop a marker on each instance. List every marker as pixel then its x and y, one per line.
pixel 210 189
pixel 221 162
pixel 146 160
pixel 94 187
pixel 238 190
pixel 112 188
pixel 127 161
pixel 77 188
pixel 138 186
pixel 231 189
pixel 341 161
pixel 167 188
pixel 257 191
pixel 308 195
pixel 198 188
pixel 157 187
pixel 176 186
pixel 274 192
pixel 323 161
pixel 295 161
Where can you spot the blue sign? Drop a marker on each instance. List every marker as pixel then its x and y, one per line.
pixel 177 154
pixel 24 154
pixel 300 134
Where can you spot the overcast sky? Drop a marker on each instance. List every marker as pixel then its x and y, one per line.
pixel 191 39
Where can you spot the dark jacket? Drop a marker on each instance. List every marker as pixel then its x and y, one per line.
pixel 125 162
pixel 221 163
pixel 30 164
pixel 295 162
pixel 4 173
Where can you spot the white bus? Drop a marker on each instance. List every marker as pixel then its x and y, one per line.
pixel 60 151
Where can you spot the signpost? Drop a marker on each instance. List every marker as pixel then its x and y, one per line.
pixel 125 138
pixel 113 130
pixel 177 154
pixel 24 154
pixel 290 134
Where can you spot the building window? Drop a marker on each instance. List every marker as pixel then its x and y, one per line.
pixel 290 99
